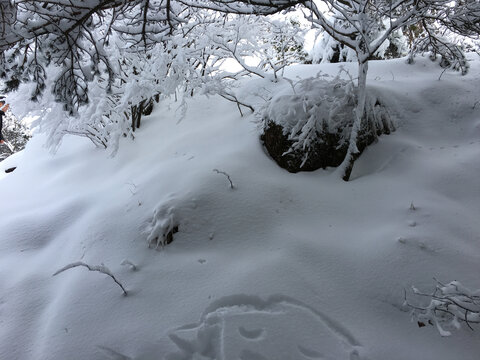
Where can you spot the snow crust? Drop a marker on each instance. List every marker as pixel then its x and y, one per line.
pixel 283 266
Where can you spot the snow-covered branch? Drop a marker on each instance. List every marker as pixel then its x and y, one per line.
pixel 98 268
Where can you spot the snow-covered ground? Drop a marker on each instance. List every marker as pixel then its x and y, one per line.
pixel 281 267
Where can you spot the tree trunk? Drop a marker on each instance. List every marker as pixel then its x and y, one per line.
pixel 133 111
pixel 352 153
pixel 140 112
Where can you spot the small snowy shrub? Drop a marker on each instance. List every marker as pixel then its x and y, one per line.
pixel 16 133
pixel 162 226
pixel 308 126
pixel 448 306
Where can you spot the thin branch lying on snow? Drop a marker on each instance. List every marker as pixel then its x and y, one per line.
pixel 99 268
pixel 232 186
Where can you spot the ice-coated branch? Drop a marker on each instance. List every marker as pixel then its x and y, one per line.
pixel 98 268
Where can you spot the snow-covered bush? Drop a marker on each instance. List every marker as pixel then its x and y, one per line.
pixel 307 125
pixel 449 305
pixel 328 50
pixel 163 224
pixel 15 132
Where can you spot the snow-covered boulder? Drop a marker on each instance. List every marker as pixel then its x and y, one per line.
pixel 307 125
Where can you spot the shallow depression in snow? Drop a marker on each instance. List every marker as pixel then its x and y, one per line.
pixel 248 328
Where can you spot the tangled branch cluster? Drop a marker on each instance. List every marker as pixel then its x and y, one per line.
pixel 450 305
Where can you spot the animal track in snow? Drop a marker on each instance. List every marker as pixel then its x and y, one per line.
pixel 250 328
pixel 255 334
pixel 310 354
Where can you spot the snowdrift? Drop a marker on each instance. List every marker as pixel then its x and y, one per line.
pixel 281 266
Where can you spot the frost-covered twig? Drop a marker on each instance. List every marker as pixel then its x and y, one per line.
pixel 232 186
pixel 233 98
pixel 344 70
pixel 99 268
pixel 450 304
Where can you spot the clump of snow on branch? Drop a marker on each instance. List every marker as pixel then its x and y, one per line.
pixel 449 306
pixel 15 132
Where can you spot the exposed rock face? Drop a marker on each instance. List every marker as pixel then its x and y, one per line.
pixel 310 130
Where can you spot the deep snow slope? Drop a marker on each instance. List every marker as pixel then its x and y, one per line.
pixel 281 267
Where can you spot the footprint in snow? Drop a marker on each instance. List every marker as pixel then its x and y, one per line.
pixel 255 334
pixel 250 328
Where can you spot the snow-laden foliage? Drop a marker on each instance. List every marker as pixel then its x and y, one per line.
pixel 286 40
pixel 327 49
pixel 313 106
pixel 450 305
pixel 90 46
pixel 315 116
pixel 442 45
pixel 15 132
pixel 139 75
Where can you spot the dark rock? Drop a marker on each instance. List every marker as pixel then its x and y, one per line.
pixel 168 238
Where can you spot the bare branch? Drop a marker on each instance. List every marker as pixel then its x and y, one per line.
pixel 228 177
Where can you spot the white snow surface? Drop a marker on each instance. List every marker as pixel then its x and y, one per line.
pixel 283 266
